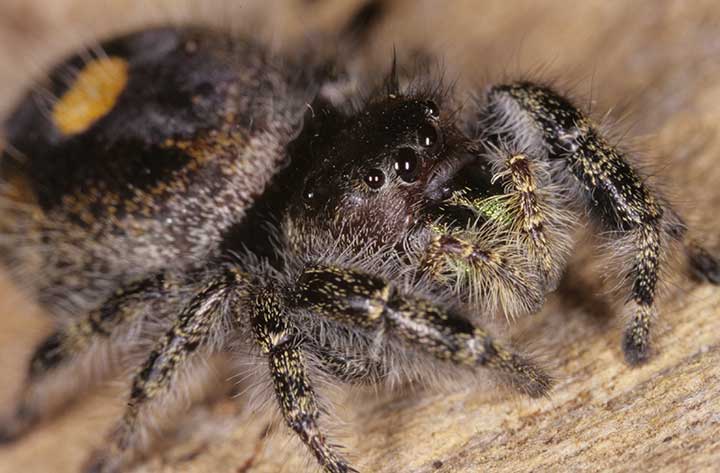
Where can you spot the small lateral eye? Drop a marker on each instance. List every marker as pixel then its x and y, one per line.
pixel 374 179
pixel 406 164
pixel 432 108
pixel 309 192
pixel 428 135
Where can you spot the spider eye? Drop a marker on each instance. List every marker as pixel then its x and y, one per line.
pixel 433 108
pixel 428 135
pixel 374 179
pixel 309 193
pixel 406 164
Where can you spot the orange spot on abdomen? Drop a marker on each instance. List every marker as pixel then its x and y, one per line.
pixel 91 96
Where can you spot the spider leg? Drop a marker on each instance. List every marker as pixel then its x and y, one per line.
pixel 703 265
pixel 536 223
pixel 613 190
pixel 513 254
pixel 370 302
pixel 350 366
pixel 497 276
pixel 57 371
pixel 193 329
pixel 293 390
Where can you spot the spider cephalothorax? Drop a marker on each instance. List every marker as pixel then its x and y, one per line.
pixel 399 172
pixel 168 194
pixel 380 170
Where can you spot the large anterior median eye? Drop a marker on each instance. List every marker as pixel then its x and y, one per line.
pixel 374 179
pixel 406 164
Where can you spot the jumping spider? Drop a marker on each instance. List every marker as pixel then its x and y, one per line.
pixel 188 188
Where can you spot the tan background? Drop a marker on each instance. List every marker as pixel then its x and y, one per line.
pixel 653 65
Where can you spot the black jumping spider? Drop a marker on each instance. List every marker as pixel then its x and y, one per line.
pixel 187 188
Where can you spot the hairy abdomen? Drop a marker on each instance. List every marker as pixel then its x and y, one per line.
pixel 139 157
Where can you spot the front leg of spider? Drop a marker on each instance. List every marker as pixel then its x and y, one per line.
pixel 366 302
pixel 616 193
pixel 293 390
pixel 514 252
pixel 369 302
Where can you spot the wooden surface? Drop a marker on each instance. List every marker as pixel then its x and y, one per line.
pixel 653 64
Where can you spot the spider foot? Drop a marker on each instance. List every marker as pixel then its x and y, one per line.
pixel 8 432
pixel 103 461
pixel 636 339
pixel 703 265
pixel 14 426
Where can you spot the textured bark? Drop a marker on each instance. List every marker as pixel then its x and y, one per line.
pixel 655 63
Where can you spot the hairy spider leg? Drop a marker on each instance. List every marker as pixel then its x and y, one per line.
pixel 703 265
pixel 193 329
pixel 57 372
pixel 529 212
pixel 372 303
pixel 352 366
pixel 515 251
pixel 616 193
pixel 497 276
pixel 296 398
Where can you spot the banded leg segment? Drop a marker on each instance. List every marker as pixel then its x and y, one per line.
pixel 192 330
pixel 293 390
pixel 497 275
pixel 530 213
pixel 504 248
pixel 58 370
pixel 616 193
pixel 370 302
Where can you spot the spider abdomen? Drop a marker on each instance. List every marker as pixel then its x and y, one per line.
pixel 144 156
